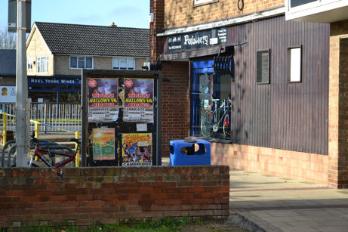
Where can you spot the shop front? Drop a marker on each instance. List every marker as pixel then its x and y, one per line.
pixel 57 89
pixel 211 76
pixel 255 91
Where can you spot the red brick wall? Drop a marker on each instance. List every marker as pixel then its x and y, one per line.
pixel 174 103
pixel 156 26
pixel 106 195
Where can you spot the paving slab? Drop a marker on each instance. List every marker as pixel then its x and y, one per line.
pixel 277 204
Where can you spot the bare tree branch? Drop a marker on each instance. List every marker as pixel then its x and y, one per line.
pixel 7 40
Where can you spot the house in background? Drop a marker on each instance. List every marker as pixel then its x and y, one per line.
pixel 56 54
pixel 7 75
pixel 334 12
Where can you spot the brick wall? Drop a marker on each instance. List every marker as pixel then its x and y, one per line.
pixel 338 107
pixel 174 103
pixel 180 13
pixel 107 195
pixel 156 26
pixel 269 161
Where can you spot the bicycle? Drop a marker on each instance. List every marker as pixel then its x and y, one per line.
pixel 217 117
pixel 47 154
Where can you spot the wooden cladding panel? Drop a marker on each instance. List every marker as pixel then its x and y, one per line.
pixel 283 115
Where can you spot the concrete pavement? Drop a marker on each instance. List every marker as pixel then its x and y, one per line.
pixel 272 204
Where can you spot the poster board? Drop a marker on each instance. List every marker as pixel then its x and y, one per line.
pixel 138 100
pixel 137 149
pixel 102 99
pixel 103 143
pixel 119 108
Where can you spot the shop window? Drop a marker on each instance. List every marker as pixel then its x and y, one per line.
pixel 295 64
pixel 211 104
pixel 123 63
pixel 81 62
pixel 263 67
pixel 42 64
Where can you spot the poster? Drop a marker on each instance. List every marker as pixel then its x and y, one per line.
pixel 102 100
pixel 103 143
pixel 138 100
pixel 7 94
pixel 137 149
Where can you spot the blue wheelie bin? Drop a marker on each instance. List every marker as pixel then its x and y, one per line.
pixel 188 153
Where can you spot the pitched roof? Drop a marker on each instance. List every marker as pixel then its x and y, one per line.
pixel 73 39
pixel 8 62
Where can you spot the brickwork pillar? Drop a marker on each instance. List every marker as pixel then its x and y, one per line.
pixel 156 26
pixel 338 106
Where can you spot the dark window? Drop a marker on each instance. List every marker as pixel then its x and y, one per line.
pixel 294 3
pixel 73 62
pixel 263 67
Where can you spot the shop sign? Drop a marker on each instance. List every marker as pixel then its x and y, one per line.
pixel 53 81
pixel 137 149
pixel 102 99
pixel 7 94
pixel 197 40
pixel 138 100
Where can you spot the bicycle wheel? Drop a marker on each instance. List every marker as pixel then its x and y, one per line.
pixel 226 126
pixel 11 157
pixel 5 151
pixel 206 125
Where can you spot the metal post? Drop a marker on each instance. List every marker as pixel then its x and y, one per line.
pixel 21 89
pixel 4 128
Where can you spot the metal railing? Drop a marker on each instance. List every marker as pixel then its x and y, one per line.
pixel 52 118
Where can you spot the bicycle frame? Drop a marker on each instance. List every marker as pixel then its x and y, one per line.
pixel 40 153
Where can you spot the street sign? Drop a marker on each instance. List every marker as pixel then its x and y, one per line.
pixel 12 15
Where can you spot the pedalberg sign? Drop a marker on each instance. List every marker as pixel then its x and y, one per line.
pixel 197 40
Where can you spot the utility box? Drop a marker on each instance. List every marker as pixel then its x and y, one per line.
pixel 188 153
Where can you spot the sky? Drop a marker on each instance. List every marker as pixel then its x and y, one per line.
pixel 125 13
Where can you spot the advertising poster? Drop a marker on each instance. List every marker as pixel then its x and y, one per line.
pixel 137 149
pixel 103 143
pixel 7 94
pixel 138 100
pixel 102 99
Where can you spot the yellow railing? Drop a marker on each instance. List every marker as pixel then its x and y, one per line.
pixel 5 120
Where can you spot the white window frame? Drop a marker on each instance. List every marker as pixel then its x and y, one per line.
pixel 42 64
pixel 295 64
pixel 129 60
pixel 85 62
pixel 203 2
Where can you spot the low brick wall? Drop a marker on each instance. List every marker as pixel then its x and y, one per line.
pixel 270 161
pixel 108 195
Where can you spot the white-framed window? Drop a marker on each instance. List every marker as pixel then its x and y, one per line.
pixel 295 58
pixel 81 62
pixel 42 64
pixel 123 63
pixel 202 2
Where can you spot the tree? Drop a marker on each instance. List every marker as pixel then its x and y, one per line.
pixel 7 40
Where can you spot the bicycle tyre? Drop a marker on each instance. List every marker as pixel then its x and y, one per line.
pixel 5 151
pixel 11 158
pixel 206 126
